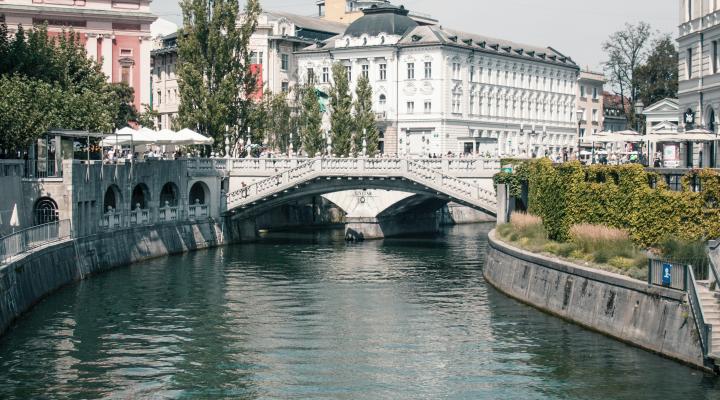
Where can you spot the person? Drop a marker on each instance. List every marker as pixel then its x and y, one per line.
pixel 657 163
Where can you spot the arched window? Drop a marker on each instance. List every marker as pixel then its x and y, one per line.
pixel 45 210
pixel 382 101
pixel 199 193
pixel 112 199
pixel 169 195
pixel 140 197
pixel 711 121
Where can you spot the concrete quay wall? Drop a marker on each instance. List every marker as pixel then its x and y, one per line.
pixel 31 277
pixel 653 318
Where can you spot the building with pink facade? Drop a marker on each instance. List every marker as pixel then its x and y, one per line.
pixel 115 32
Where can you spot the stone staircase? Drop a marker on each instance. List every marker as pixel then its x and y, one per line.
pixel 710 303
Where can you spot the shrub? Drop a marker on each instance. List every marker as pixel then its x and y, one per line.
pixel 691 252
pixel 607 245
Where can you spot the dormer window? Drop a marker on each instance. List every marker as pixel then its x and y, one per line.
pixel 453 38
pixel 416 38
pixel 468 42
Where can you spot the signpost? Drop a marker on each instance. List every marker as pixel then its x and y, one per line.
pixel 666 274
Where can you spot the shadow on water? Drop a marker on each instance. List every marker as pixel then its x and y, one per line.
pixel 310 316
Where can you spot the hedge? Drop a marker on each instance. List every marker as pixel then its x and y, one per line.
pixel 620 197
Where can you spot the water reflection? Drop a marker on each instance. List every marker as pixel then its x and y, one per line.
pixel 308 316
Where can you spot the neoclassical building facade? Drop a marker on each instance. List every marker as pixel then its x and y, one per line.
pixel 439 91
pixel 699 75
pixel 116 33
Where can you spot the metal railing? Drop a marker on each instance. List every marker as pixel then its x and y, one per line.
pixel 704 329
pixel 27 239
pixel 667 274
pixel 40 169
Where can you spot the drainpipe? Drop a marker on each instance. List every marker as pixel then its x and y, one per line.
pixel 397 100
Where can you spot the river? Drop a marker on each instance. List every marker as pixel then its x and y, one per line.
pixel 307 316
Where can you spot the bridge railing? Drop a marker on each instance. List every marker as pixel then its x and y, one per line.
pixel 453 166
pixel 364 167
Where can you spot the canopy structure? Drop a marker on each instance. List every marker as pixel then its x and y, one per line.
pixel 131 137
pixel 617 137
pixel 190 137
pixel 684 137
pixel 128 136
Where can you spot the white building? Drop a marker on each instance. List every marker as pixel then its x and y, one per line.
pixel 438 90
pixel 273 44
pixel 699 76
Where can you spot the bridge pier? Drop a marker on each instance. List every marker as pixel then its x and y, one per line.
pixel 373 228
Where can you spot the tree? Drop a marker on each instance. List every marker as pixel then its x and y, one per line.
pixel 124 96
pixel 279 121
pixel 216 81
pixel 365 126
pixel 341 119
pixel 50 83
pixel 658 77
pixel 626 52
pixel 310 121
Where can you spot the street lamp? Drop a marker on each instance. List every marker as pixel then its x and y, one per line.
pixel 579 114
pixel 639 107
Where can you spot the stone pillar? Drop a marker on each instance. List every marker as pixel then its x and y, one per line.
pixel 505 204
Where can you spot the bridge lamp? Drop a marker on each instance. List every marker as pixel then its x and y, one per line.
pixel 579 114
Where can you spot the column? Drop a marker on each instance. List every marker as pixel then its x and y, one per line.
pixel 107 57
pixel 144 65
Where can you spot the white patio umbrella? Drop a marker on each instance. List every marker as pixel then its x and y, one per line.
pixel 14 219
pixel 189 137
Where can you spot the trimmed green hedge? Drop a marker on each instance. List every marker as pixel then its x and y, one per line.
pixel 620 197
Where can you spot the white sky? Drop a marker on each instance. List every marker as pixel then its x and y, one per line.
pixel 575 28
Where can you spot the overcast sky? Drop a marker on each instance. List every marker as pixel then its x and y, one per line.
pixel 575 28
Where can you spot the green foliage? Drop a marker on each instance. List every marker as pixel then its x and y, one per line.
pixel 365 126
pixel 657 78
pixel 217 84
pixel 310 122
pixel 692 252
pixel 621 197
pixel 50 83
pixel 341 120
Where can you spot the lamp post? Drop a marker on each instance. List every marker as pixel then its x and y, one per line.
pixel 639 107
pixel 579 114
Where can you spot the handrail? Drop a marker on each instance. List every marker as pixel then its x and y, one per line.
pixel 703 328
pixel 29 238
pixel 712 245
pixel 389 168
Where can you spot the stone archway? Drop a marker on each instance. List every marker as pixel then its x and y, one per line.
pixel 45 211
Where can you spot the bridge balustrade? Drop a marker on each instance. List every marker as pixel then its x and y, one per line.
pixel 198 211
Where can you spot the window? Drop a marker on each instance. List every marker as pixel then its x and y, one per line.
pixel 325 75
pixel 284 62
pixel 582 132
pixel 125 75
pixel 595 115
pixel 428 106
pixel 472 73
pixel 159 97
pixel 125 52
pixel 456 71
pixel 595 93
pixel 456 103
pixel 348 71
pixel 365 71
pixel 582 91
pixel 256 57
pixel 410 107
pixel 715 57
pixel 382 101
pixel 411 70
pixel 688 63
pixel 311 75
pixel 428 70
pixel 473 110
pixel 383 72
pixel 285 86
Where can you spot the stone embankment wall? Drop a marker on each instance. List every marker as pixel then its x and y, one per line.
pixel 650 317
pixel 33 276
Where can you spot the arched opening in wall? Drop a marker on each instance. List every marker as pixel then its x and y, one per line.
pixel 140 197
pixel 710 123
pixel 112 199
pixel 169 195
pixel 45 211
pixel 199 194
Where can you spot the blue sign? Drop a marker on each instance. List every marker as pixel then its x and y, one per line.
pixel 666 274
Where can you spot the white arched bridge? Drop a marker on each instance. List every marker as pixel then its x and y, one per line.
pixel 426 178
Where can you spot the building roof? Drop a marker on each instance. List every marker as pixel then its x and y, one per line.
pixel 388 19
pixel 310 23
pixel 394 20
